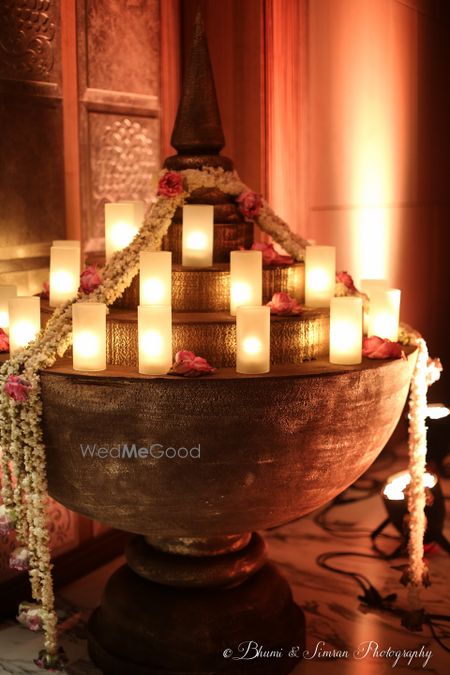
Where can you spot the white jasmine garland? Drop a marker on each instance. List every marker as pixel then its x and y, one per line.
pixel 417 459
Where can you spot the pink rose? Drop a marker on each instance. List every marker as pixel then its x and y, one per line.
pixel 434 370
pixel 375 347
pixel 170 184
pixel 17 387
pixel 4 341
pixel 346 279
pixel 6 521
pixel 282 303
pixel 90 279
pixel 18 560
pixel 270 256
pixel 189 365
pixel 31 616
pixel 52 662
pixel 249 204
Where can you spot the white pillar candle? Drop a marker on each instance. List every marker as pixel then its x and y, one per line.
pixel 122 223
pixel 385 313
pixel 6 293
pixel 320 275
pixel 24 321
pixel 346 330
pixel 64 274
pixel 155 339
pixel 89 335
pixel 198 235
pixel 155 278
pixel 245 279
pixel 69 243
pixel 368 286
pixel 139 210
pixel 253 339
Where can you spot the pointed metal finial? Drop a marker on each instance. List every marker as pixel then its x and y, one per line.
pixel 198 129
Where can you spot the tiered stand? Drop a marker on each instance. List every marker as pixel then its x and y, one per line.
pixel 273 447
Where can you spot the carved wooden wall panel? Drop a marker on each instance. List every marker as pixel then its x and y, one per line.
pixel 31 171
pixel 119 91
pixel 80 125
pixel 29 40
pixel 123 157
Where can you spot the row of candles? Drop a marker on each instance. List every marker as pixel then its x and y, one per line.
pixel 155 314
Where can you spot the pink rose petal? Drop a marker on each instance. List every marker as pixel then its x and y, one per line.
pixel 283 303
pixel 375 347
pixel 18 388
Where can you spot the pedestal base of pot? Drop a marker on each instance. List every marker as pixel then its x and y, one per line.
pixel 149 628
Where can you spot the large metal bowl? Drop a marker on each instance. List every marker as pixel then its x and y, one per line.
pixel 272 447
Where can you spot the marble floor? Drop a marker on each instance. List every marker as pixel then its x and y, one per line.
pixel 336 620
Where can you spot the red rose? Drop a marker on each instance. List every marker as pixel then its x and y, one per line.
pixel 270 255
pixel 4 341
pixel 90 279
pixel 282 303
pixel 189 365
pixel 375 347
pixel 346 279
pixel 170 184
pixel 249 204
pixel 17 387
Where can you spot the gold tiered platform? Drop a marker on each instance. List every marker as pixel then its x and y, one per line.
pixel 202 322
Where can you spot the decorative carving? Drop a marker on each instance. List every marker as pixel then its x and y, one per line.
pixel 123 162
pixel 26 38
pixel 63 525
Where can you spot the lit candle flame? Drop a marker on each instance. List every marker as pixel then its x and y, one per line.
pixel 318 279
pixel 197 241
pixel 23 332
pixel 152 343
pixel 153 291
pixel 252 345
pixel 86 343
pixel 63 281
pixel 122 233
pixel 240 293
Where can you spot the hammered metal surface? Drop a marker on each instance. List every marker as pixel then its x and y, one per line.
pixel 293 339
pixel 208 289
pixel 273 447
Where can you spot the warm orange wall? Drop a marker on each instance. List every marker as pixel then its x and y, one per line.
pixel 339 110
pixel 379 152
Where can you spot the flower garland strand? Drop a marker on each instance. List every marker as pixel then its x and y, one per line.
pixel 417 573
